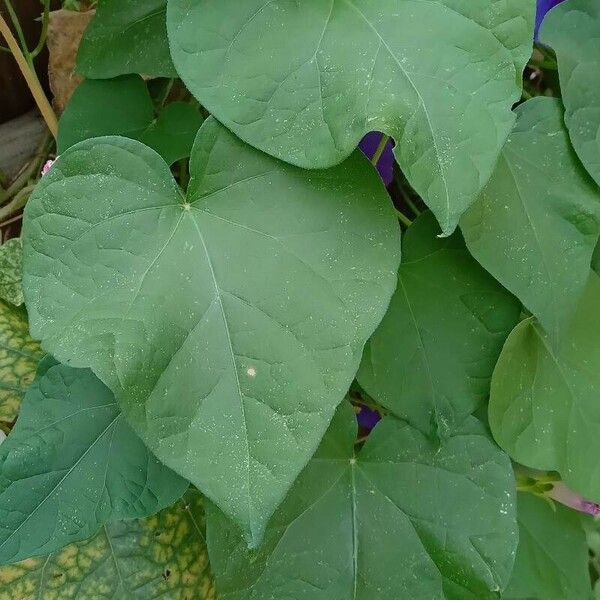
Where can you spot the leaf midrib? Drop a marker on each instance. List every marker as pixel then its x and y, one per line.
pixel 521 197
pixel 353 462
pixel 233 365
pixel 415 324
pixel 114 559
pixel 424 545
pixel 421 100
pixel 8 348
pixel 574 405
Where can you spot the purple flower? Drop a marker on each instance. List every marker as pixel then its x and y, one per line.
pixel 561 493
pixel 367 418
pixel 385 164
pixel 543 6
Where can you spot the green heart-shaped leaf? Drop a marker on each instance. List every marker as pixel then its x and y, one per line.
pixel 126 36
pixel 431 359
pixel 71 464
pixel 173 132
pixel 552 557
pixel 229 323
pixel 304 81
pixel 19 358
pixel 123 106
pixel 572 29
pixel 536 224
pixel 544 400
pixel 163 556
pixel 404 518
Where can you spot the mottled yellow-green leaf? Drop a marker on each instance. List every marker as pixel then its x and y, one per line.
pixel 19 357
pixel 11 270
pixel 163 556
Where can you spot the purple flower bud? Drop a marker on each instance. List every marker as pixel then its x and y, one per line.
pixel 47 166
pixel 385 164
pixel 561 493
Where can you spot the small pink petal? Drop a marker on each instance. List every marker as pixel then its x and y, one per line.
pixel 561 493
pixel 47 166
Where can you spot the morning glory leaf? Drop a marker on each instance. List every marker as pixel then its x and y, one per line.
pixel 544 400
pixel 229 323
pixel 543 8
pixel 173 132
pixel 431 359
pixel 305 81
pixel 404 518
pixel 126 36
pixel 72 464
pixel 122 106
pixel 536 224
pixel 552 556
pixel 19 358
pixel 163 556
pixel 11 259
pixel 573 31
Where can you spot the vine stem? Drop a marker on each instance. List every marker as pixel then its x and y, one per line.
pixel 19 30
pixel 412 206
pixel 403 217
pixel 17 203
pixel 11 220
pixel 406 197
pixel 44 34
pixel 30 77
pixel 382 144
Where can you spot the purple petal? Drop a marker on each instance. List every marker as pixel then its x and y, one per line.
pixel 385 166
pixel 543 6
pixel 561 493
pixel 367 418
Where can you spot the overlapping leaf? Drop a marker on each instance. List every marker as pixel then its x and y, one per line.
pixel 536 224
pixel 544 408
pixel 71 464
pixel 163 556
pixel 126 36
pixel 402 519
pixel 11 264
pixel 572 29
pixel 123 106
pixel 304 81
pixel 552 556
pixel 592 532
pixel 431 359
pixel 173 132
pixel 229 323
pixel 19 358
